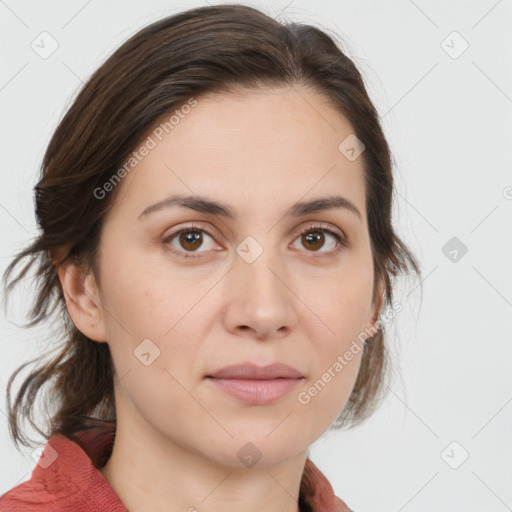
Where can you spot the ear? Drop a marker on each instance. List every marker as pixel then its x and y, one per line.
pixel 82 300
pixel 376 306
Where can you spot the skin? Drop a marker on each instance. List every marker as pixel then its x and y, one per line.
pixel 177 435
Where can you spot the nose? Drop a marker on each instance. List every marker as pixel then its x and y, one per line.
pixel 259 296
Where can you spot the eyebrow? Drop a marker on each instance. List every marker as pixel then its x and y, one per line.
pixel 208 206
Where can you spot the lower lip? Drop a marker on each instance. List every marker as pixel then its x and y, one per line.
pixel 256 392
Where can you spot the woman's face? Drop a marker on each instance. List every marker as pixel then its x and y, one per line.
pixel 246 288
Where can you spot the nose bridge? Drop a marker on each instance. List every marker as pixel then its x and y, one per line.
pixel 259 277
pixel 257 264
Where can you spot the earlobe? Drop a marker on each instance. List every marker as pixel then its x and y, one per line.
pixel 378 308
pixel 82 300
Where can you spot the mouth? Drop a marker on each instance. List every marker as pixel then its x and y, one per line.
pixel 256 385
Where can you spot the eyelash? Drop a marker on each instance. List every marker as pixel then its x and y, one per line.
pixel 341 241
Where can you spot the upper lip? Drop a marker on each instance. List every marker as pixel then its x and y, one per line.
pixel 251 371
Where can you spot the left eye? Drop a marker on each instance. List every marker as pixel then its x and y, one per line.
pixel 315 237
pixel 191 238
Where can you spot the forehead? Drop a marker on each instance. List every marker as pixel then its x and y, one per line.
pixel 251 149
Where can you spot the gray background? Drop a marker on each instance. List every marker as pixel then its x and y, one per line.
pixel 448 118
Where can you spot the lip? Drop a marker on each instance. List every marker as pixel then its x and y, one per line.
pixel 256 385
pixel 252 371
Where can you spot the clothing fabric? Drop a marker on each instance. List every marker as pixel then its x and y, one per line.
pixel 67 478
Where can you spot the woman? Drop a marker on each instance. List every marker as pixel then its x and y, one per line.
pixel 215 214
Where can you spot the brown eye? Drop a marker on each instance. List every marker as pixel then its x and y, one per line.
pixel 314 239
pixel 188 241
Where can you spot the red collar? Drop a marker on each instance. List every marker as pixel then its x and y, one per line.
pixel 67 477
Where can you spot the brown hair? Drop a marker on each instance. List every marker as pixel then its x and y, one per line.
pixel 200 51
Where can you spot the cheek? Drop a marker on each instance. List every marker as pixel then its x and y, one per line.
pixel 160 396
pixel 139 300
pixel 338 317
pixel 340 307
pixel 151 317
pixel 154 340
pixel 324 397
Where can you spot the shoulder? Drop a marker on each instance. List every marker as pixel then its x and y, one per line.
pixel 48 484
pixel 64 479
pixel 27 497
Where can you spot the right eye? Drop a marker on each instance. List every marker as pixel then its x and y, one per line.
pixel 191 238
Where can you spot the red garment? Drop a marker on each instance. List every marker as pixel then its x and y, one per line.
pixel 67 478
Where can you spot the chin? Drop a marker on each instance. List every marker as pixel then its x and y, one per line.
pixel 258 449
